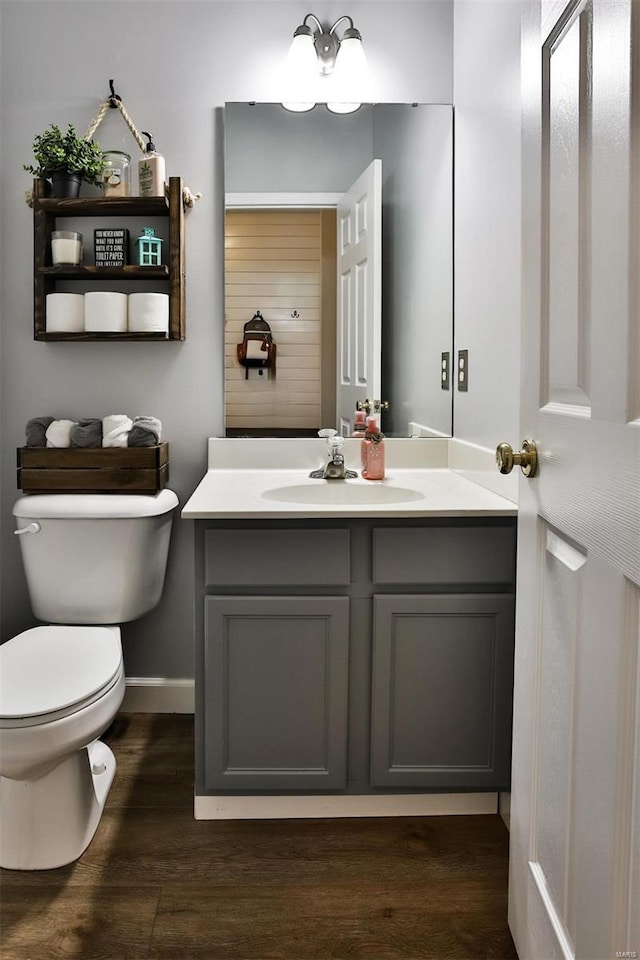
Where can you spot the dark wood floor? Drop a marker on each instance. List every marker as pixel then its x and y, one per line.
pixel 156 883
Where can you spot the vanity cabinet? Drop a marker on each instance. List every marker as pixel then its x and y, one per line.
pixel 49 214
pixel 357 656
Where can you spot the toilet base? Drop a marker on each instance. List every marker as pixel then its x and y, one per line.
pixel 49 822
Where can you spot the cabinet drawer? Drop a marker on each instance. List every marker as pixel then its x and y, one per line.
pixel 444 554
pixel 277 557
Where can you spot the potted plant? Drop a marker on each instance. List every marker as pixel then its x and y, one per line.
pixel 66 159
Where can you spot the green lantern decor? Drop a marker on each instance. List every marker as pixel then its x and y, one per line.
pixel 149 248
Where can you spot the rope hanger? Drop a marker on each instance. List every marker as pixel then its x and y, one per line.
pixel 114 102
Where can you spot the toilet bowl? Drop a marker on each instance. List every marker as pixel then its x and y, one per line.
pixel 62 684
pixel 60 688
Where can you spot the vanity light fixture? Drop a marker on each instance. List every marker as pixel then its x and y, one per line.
pixel 319 50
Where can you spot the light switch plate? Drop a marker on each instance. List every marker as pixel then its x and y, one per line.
pixel 463 371
pixel 445 371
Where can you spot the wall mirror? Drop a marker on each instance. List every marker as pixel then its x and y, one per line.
pixel 338 268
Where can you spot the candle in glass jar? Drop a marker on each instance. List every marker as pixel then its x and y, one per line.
pixel 66 247
pixel 116 174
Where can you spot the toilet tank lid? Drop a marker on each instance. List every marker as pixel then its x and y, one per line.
pixel 91 506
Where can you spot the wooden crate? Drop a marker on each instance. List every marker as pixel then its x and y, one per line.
pixel 141 470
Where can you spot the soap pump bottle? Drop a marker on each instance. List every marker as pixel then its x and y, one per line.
pixel 359 423
pixel 373 451
pixel 371 424
pixel 151 170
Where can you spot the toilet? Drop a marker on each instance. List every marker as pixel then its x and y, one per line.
pixel 91 562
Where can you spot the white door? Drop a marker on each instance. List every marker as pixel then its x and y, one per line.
pixel 575 815
pixel 359 294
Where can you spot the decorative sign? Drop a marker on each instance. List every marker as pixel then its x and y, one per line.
pixel 111 247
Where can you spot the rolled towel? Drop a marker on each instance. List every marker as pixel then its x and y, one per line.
pixel 36 430
pixel 115 430
pixel 145 432
pixel 86 433
pixel 58 433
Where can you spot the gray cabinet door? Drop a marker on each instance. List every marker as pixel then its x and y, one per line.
pixel 442 691
pixel 276 693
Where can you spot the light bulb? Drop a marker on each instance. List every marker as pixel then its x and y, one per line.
pixel 300 70
pixel 349 75
pixel 301 62
pixel 298 107
pixel 351 63
pixel 345 107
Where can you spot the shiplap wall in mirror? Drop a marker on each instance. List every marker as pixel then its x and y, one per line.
pixel 284 176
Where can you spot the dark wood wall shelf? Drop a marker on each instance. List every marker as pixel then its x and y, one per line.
pixel 52 337
pixel 130 272
pixel 48 210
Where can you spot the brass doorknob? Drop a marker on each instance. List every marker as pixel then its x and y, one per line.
pixel 526 459
pixel 377 405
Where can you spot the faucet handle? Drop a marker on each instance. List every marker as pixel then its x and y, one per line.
pixel 326 433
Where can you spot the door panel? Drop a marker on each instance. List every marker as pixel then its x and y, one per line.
pixel 574 821
pixel 269 729
pixel 359 298
pixel 438 657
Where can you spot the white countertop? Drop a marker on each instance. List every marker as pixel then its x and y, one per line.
pixel 244 494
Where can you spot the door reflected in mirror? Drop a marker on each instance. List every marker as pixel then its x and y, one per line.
pixel 339 236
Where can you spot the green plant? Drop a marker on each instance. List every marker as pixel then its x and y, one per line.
pixel 57 151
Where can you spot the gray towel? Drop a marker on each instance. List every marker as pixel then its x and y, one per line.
pixel 36 430
pixel 145 432
pixel 86 433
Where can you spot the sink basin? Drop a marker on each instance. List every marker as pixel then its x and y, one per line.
pixel 341 492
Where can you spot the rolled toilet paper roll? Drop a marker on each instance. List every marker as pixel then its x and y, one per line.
pixel 65 312
pixel 255 351
pixel 105 312
pixel 148 313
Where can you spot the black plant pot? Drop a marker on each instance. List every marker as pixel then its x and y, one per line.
pixel 65 184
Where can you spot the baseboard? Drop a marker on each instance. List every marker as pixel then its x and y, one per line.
pixel 504 808
pixel 158 695
pixel 307 807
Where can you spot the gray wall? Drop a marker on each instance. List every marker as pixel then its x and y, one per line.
pixel 175 64
pixel 487 218
pixel 271 150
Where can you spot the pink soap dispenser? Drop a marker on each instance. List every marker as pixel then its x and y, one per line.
pixel 373 451
pixel 359 423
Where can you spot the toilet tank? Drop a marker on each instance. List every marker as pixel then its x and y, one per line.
pixel 94 558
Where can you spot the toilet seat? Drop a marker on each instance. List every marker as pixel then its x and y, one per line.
pixel 51 672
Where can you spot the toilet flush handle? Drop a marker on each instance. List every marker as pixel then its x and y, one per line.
pixel 33 527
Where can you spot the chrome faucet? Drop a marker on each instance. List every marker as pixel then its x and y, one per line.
pixel 335 467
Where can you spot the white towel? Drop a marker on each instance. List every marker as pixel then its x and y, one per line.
pixel 115 430
pixel 57 433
